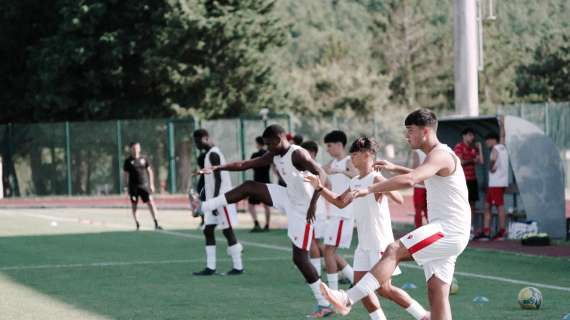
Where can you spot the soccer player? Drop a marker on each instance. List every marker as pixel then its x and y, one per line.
pixel 139 179
pixel 290 160
pixel 373 225
pixel 498 182
pixel 420 196
pixel 338 232
pixel 470 154
pixel 434 246
pixel 260 174
pixel 223 215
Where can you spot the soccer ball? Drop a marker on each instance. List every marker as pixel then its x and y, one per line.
pixel 454 289
pixel 530 298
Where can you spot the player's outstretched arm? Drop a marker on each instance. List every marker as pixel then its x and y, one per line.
pixel 262 161
pixel 436 162
pixel 389 166
pixel 337 200
pixel 395 196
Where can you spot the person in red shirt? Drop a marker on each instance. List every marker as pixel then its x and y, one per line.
pixel 470 154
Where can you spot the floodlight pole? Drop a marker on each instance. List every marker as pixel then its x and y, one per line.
pixel 466 60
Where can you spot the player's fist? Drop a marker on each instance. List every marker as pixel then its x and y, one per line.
pixel 208 170
pixel 359 193
pixel 383 165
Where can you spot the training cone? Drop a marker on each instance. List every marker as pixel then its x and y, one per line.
pixel 480 300
pixel 409 285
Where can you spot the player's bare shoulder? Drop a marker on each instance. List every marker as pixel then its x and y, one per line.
pixel 443 160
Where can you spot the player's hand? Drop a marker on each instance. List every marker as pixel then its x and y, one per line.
pixel 359 193
pixel 384 165
pixel 207 170
pixel 312 179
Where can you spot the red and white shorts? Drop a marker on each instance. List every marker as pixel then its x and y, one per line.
pixel 365 259
pixel 226 217
pixel 338 232
pixel 298 230
pixel 435 251
pixel 495 196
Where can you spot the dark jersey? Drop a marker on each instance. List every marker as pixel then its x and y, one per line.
pixel 261 174
pixel 136 168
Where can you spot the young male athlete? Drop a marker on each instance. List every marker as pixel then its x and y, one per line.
pixel 223 216
pixel 290 160
pixel 434 246
pixel 373 225
pixel 260 175
pixel 339 227
pixel 139 178
pixel 498 182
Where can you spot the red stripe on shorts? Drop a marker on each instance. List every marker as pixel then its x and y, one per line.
pixel 306 236
pixel 339 233
pixel 425 242
pixel 228 217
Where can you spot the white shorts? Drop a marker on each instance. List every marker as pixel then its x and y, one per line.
pixel 436 252
pixel 338 232
pixel 226 217
pixel 299 231
pixel 365 259
pixel 319 227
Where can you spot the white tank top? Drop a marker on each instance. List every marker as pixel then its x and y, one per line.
pixel 209 180
pixel 339 183
pixel 372 218
pixel 422 158
pixel 447 199
pixel 299 191
pixel 500 178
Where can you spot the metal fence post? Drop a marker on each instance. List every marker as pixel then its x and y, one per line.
pixel 119 157
pixel 171 158
pixel 68 158
pixel 546 118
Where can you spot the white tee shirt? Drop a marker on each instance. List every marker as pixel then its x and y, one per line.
pixel 299 191
pixel 209 180
pixel 500 178
pixel 339 183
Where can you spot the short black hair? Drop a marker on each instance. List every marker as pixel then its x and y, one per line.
pixel 200 133
pixel 273 131
pixel 259 140
pixel 421 118
pixel 310 145
pixel 298 139
pixel 131 144
pixel 364 144
pixel 336 136
pixel 492 135
pixel 467 130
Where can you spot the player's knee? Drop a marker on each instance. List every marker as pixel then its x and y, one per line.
pixel 393 249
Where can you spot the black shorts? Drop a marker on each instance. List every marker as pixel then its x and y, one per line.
pixel 253 200
pixel 141 193
pixel 473 189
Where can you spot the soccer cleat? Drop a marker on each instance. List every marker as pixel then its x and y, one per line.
pixel 205 272
pixel 157 227
pixel 321 312
pixel 138 225
pixel 235 272
pixel 337 298
pixel 256 228
pixel 344 281
pixel 482 237
pixel 266 228
pixel 500 236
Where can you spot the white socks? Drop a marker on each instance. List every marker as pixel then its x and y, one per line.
pixel 348 273
pixel 235 252
pixel 214 203
pixel 333 280
pixel 367 285
pixel 316 287
pixel 316 262
pixel 377 315
pixel 211 257
pixel 416 310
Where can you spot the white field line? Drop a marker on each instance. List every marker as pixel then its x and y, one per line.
pixel 288 249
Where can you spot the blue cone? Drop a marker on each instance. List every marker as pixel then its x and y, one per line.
pixel 409 285
pixel 480 300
